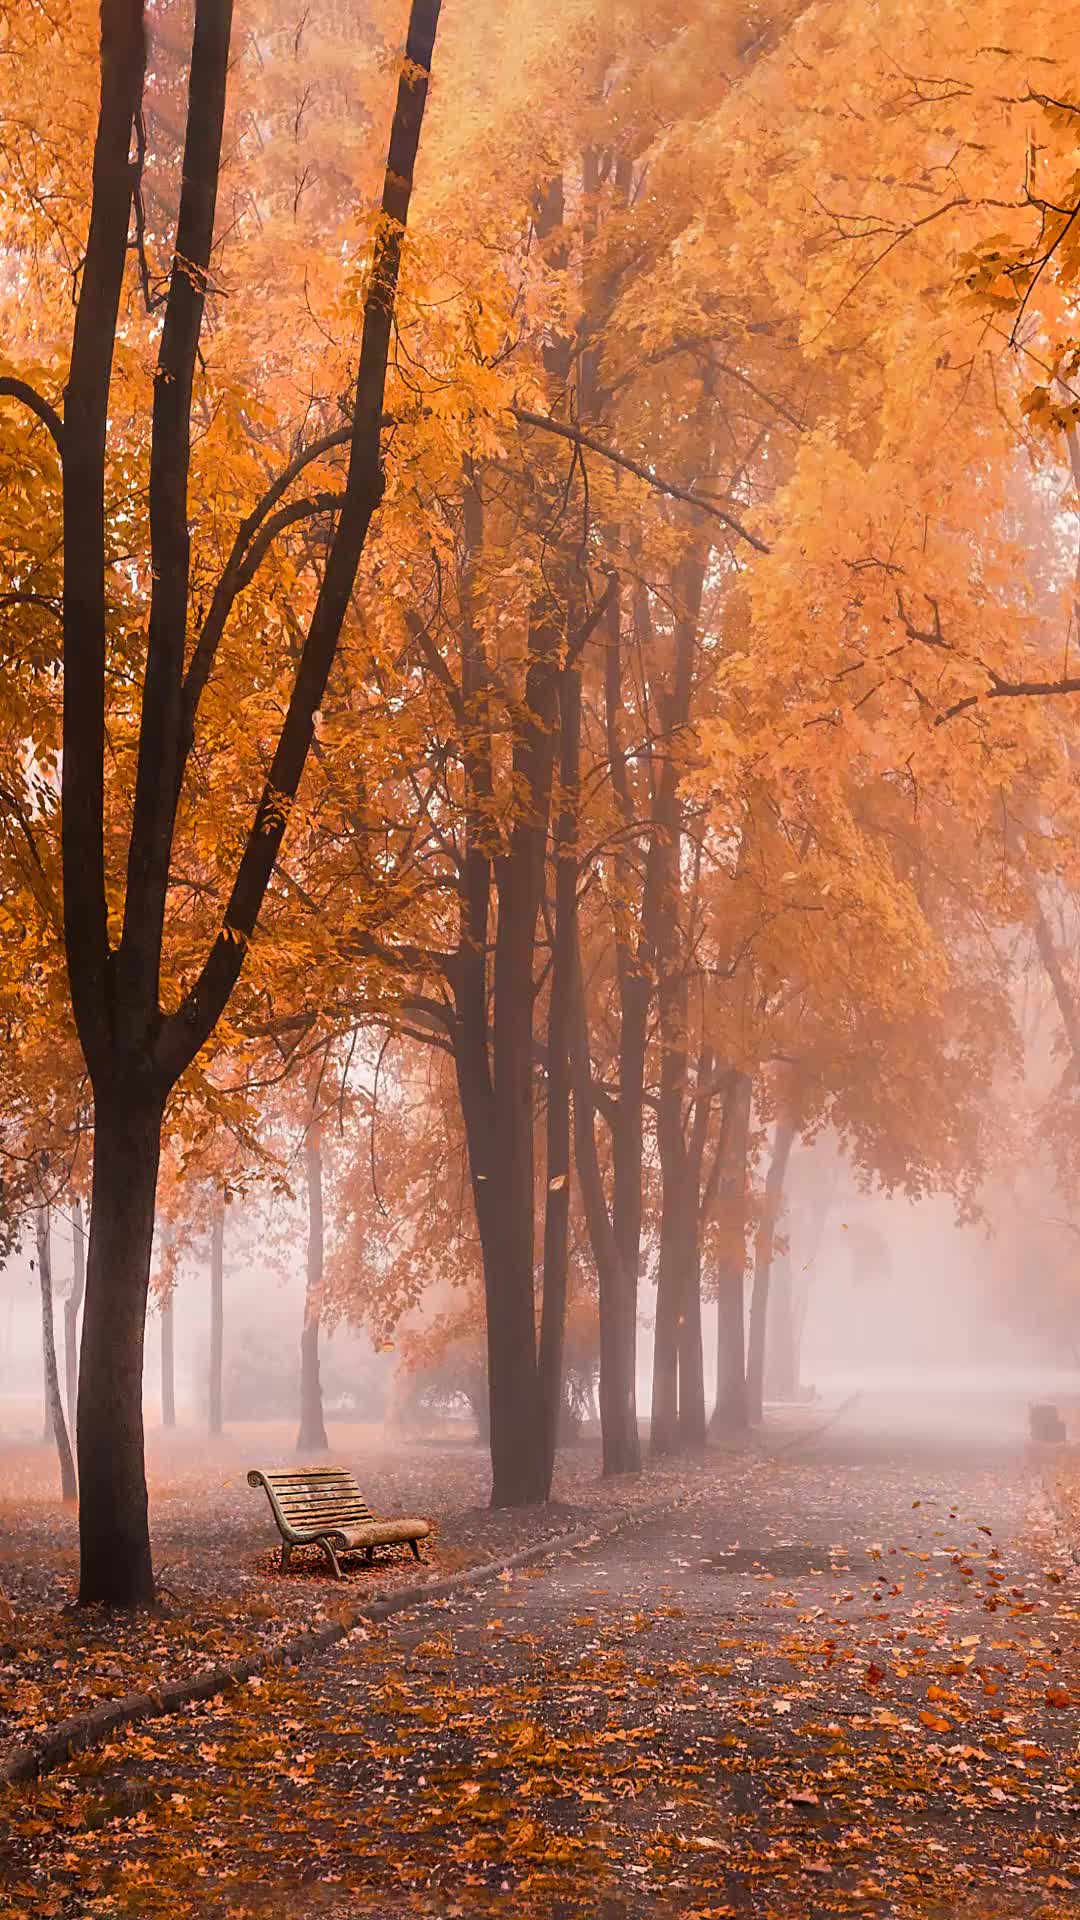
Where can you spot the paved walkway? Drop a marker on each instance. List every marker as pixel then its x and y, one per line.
pixel 851 1688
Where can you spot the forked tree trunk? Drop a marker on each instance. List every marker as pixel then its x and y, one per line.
pixel 71 1313
pixel 217 1311
pixel 53 1402
pixel 783 1140
pixel 134 1051
pixel 168 1363
pixel 312 1435
pixel 116 1566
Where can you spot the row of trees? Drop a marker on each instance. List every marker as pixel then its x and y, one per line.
pixel 565 680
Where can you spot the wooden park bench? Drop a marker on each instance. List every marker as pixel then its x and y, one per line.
pixel 323 1507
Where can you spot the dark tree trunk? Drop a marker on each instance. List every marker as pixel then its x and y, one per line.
pixel 620 1440
pixel 678 1224
pixel 217 1312
pixel 53 1402
pixel 730 1411
pixel 678 1376
pixel 168 1364
pixel 134 1051
pixel 783 1140
pixel 114 1533
pixel 692 1428
pixel 513 1420
pixel 312 1435
pixel 71 1312
pixel 678 1404
pixel 664 1419
pixel 560 1009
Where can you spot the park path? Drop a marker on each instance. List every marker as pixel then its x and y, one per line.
pixel 846 1683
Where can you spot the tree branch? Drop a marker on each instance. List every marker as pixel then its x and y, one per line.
pixel 579 438
pixel 13 389
pixel 183 1033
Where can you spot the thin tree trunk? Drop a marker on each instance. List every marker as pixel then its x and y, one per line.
pixel 168 1363
pixel 692 1429
pixel 116 1566
pixel 57 1423
pixel 71 1312
pixel 560 1010
pixel 312 1435
pixel 781 1356
pixel 730 1411
pixel 620 1441
pixel 217 1311
pixel 783 1140
pixel 1063 993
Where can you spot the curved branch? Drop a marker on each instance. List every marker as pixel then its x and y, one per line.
pixel 659 484
pixel 12 389
pixel 238 574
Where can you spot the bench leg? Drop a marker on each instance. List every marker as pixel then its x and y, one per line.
pixel 286 1556
pixel 332 1557
pixel 417 1555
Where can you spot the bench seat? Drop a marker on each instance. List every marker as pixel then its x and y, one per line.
pixel 323 1507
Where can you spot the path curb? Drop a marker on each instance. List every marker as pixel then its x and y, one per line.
pixel 29 1760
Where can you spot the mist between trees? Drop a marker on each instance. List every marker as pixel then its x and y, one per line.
pixel 539 728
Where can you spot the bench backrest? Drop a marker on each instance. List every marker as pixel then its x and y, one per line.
pixel 315 1497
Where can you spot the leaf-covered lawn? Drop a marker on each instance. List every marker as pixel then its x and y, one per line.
pixel 835 1687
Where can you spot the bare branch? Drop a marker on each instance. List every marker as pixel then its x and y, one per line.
pixel 578 438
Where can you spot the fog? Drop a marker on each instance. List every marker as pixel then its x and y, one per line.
pixel 899 1298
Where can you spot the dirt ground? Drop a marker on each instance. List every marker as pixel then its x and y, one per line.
pixel 845 1680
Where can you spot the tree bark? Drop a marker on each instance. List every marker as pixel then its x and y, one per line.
pixel 116 1567
pixel 560 1010
pixel 53 1402
pixel 783 1140
pixel 71 1312
pixel 730 1410
pixel 168 1364
pixel 217 1311
pixel 312 1435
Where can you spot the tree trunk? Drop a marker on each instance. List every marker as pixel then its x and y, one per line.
pixel 621 1445
pixel 116 1568
pixel 53 1402
pixel 217 1311
pixel 312 1435
pixel 71 1313
pixel 664 1420
pixel 781 1356
pixel 783 1140
pixel 134 1052
pixel 692 1429
pixel 560 1009
pixel 730 1413
pixel 168 1364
